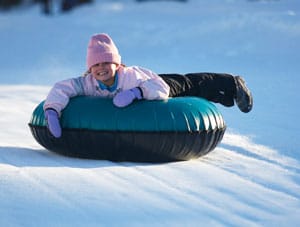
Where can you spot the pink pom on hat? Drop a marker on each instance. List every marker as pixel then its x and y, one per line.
pixel 101 48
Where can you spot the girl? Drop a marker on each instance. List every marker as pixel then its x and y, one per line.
pixel 107 77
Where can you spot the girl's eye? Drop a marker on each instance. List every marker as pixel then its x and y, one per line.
pixel 101 64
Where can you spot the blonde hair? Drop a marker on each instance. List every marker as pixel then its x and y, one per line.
pixel 87 72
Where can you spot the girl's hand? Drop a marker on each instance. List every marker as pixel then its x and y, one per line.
pixel 53 122
pixel 124 98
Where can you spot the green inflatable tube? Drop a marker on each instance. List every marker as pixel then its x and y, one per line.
pixel 176 129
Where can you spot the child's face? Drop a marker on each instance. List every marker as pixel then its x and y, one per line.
pixel 105 72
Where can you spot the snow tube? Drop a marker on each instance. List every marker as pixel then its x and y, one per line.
pixel 176 129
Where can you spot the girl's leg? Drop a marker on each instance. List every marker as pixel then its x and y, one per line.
pixel 215 87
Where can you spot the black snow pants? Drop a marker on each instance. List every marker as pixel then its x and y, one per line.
pixel 215 87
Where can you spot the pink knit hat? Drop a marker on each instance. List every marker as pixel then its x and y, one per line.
pixel 101 48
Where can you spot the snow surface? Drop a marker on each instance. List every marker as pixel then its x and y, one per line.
pixel 251 179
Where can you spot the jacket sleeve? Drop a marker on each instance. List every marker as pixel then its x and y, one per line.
pixel 152 85
pixel 62 91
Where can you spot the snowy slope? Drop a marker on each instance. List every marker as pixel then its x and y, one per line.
pixel 251 179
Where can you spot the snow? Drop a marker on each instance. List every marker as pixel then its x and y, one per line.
pixel 251 179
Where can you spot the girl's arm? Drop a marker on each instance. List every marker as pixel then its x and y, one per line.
pixel 62 91
pixel 153 87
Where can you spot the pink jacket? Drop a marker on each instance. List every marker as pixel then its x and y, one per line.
pixel 153 87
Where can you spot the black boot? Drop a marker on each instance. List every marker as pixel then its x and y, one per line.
pixel 243 97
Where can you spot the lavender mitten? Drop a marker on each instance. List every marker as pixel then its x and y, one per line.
pixel 53 122
pixel 124 98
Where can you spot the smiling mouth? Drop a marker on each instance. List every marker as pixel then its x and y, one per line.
pixel 101 73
